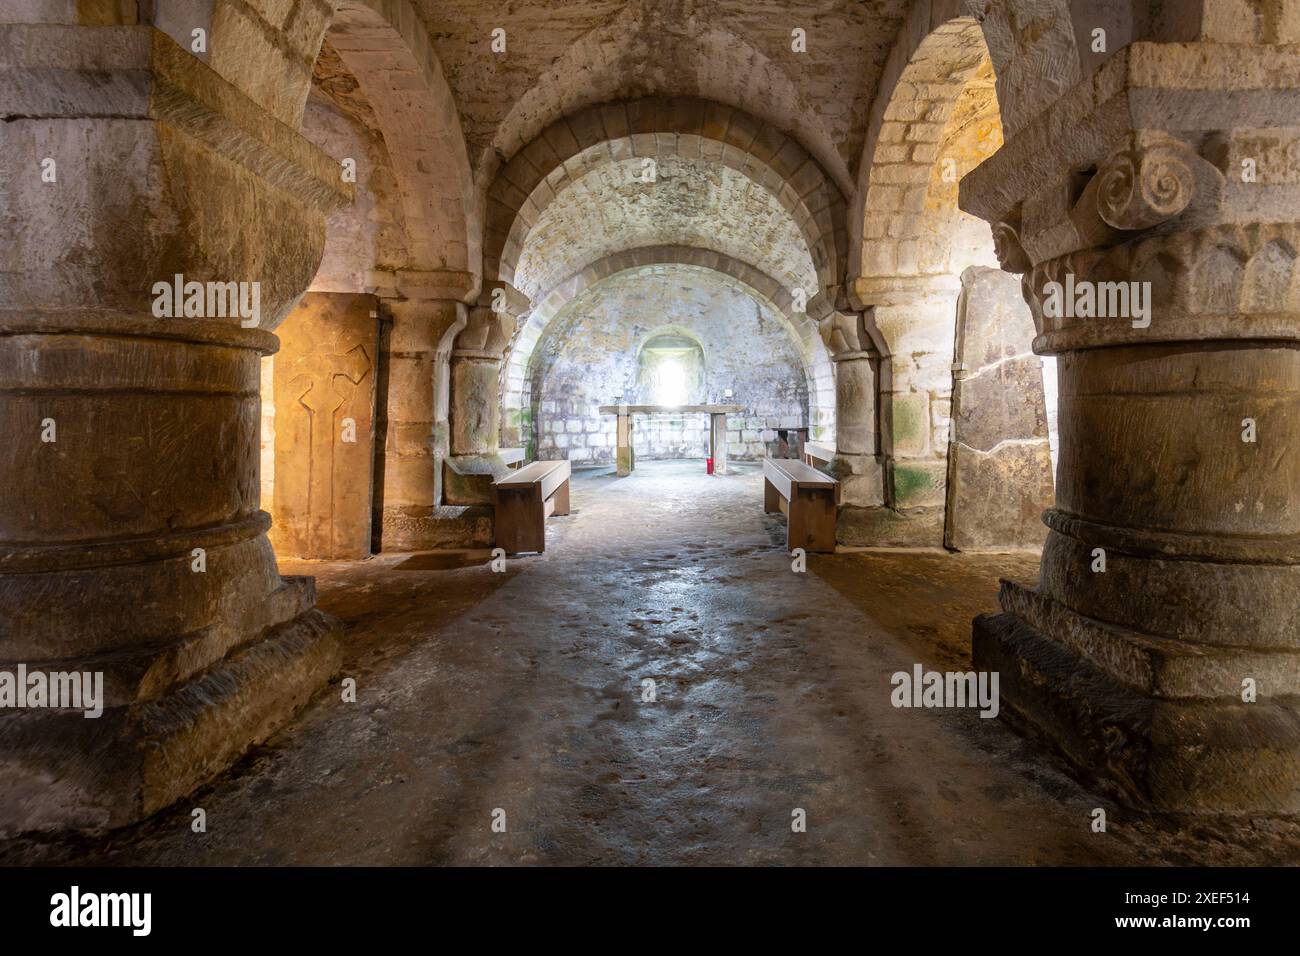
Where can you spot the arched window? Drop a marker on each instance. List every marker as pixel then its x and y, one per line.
pixel 670 370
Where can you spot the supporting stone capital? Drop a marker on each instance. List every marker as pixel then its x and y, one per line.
pixel 236 180
pixel 1164 278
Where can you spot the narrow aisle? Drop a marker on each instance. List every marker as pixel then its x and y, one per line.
pixel 525 692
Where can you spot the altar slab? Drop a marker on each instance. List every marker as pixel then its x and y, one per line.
pixel 626 458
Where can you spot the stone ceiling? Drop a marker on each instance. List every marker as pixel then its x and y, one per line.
pixel 562 55
pixel 690 203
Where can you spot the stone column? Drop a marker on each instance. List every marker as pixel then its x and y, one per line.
pixel 416 429
pixel 915 316
pixel 1160 650
pixel 132 543
pixel 475 414
pixel 857 464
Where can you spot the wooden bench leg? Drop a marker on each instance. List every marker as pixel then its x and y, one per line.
pixel 561 499
pixel 771 498
pixel 812 520
pixel 520 522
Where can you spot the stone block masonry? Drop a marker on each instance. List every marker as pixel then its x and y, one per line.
pixel 592 355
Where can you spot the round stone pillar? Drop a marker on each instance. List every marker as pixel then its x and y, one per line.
pixel 133 548
pixel 1160 649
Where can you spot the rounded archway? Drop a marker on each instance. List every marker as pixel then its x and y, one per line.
pixel 966 438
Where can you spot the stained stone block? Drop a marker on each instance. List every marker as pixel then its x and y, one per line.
pixel 1001 402
pixel 1000 467
pixel 917 484
pixel 997 497
pixel 910 420
pixel 885 527
pixel 324 427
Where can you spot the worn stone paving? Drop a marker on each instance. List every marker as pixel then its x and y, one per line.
pixel 522 691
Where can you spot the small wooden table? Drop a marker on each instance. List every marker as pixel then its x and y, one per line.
pixel 717 430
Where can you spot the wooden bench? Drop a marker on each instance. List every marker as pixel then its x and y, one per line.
pixel 513 457
pixel 807 498
pixel 817 452
pixel 524 500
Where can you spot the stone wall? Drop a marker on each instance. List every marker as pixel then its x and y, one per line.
pixel 589 357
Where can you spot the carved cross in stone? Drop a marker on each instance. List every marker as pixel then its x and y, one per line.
pixel 342 373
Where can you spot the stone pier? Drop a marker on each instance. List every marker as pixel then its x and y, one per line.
pixel 1160 651
pixel 415 517
pixel 132 543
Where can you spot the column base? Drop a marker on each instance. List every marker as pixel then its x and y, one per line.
pixel 438 528
pixel 60 770
pixel 883 527
pixel 1157 723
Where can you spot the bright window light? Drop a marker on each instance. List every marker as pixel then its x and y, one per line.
pixel 670 387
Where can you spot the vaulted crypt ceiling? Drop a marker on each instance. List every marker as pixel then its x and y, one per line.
pixel 690 203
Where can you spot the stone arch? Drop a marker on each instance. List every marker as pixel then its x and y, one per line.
pixel 386 47
pixel 268 51
pixel 655 127
pixel 936 118
pixel 903 147
pixel 617 61
pixel 801 327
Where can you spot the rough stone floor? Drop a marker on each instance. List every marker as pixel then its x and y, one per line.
pixel 521 691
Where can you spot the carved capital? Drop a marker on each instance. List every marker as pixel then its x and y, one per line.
pixel 1217 283
pixel 1006 246
pixel 1142 186
pixel 485 335
pixel 493 322
pixel 847 335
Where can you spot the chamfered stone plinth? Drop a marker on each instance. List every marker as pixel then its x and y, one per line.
pixel 1160 649
pixel 131 538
